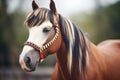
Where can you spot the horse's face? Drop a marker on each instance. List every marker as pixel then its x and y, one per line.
pixel 44 39
pixel 38 35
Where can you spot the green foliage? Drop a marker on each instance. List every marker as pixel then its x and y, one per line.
pixel 102 24
pixel 3 34
pixel 12 35
pixel 113 13
pixel 21 31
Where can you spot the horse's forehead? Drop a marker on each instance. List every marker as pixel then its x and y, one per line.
pixel 46 23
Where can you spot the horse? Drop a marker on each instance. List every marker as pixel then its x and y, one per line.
pixel 77 58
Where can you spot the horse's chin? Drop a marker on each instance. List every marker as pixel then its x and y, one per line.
pixel 29 70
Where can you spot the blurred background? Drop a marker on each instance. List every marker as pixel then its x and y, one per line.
pixel 100 19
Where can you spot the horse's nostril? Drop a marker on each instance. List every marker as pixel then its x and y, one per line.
pixel 28 61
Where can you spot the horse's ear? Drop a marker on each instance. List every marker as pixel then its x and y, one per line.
pixel 52 7
pixel 54 10
pixel 34 5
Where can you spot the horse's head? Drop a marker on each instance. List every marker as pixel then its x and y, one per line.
pixel 44 36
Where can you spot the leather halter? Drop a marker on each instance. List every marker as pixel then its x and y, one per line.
pixel 37 48
pixel 46 46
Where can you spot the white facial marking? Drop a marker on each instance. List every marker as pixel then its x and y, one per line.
pixel 38 37
pixel 36 34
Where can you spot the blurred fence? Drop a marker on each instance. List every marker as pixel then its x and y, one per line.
pixel 18 74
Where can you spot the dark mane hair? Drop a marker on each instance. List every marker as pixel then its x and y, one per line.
pixel 78 43
pixel 74 38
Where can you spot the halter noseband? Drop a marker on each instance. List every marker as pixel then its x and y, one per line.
pixel 37 48
pixel 46 46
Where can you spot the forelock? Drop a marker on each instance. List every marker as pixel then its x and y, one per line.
pixel 38 16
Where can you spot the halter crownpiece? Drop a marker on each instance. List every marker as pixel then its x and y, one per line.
pixel 45 47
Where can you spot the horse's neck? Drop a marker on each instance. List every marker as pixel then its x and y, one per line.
pixel 62 66
pixel 62 63
pixel 96 63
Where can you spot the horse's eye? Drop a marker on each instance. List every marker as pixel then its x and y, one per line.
pixel 46 30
